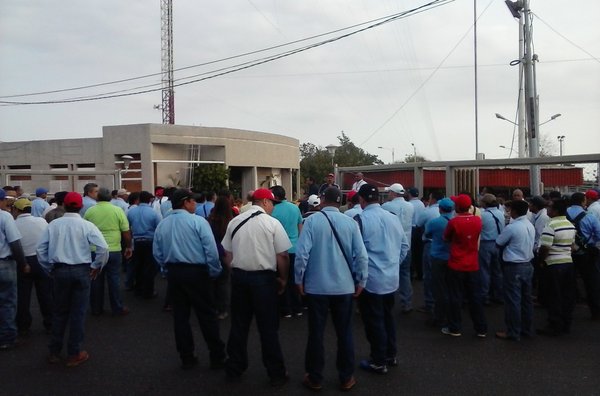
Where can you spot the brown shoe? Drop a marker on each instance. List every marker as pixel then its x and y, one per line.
pixel 124 312
pixel 76 360
pixel 503 335
pixel 308 383
pixel 346 386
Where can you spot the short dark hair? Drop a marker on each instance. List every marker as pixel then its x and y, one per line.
pixel 88 187
pixel 145 197
pixel 437 195
pixel 560 206
pixel 278 192
pixel 134 196
pixel 104 194
pixel 538 202
pixel 521 207
pixel 114 193
pixel 60 197
pixel 577 198
pixel 332 195
pixel 555 194
pixel 179 196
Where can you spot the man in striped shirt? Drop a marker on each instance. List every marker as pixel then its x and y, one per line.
pixel 555 257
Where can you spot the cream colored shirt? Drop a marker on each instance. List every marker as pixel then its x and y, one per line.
pixel 257 242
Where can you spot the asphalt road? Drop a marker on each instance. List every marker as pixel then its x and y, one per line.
pixel 135 355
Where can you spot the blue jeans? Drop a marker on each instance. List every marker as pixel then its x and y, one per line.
pixel 8 301
pixel 405 290
pixel 427 283
pixel 491 273
pixel 518 306
pixel 110 272
pixel 463 284
pixel 380 327
pixel 71 296
pixel 254 293
pixel 341 316
pixel 560 283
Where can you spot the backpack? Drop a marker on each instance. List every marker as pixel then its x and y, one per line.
pixel 580 241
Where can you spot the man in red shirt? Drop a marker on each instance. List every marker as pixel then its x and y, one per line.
pixel 462 232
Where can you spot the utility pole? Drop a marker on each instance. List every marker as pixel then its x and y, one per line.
pixel 522 134
pixel 166 46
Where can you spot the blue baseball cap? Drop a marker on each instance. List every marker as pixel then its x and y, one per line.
pixel 446 204
pixel 40 191
pixel 2 194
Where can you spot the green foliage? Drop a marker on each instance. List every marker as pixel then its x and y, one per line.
pixel 316 161
pixel 411 158
pixel 210 177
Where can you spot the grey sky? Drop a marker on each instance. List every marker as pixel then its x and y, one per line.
pixel 354 85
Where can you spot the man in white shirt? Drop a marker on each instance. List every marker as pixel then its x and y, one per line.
pixel 358 181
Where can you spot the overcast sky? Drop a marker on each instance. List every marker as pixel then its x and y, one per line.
pixel 380 87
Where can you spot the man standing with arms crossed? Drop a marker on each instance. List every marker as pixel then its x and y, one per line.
pixel 256 248
pixel 331 268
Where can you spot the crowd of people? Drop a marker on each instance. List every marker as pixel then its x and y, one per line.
pixel 272 258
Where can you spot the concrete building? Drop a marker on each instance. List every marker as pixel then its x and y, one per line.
pixel 162 155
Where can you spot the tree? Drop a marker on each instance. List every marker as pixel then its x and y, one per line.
pixel 412 158
pixel 315 161
pixel 210 177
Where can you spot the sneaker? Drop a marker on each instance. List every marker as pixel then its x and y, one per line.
pixel 346 386
pixel 298 314
pixel 76 360
pixel 391 362
pixel 481 335
pixel 446 331
pixel 309 384
pixel 286 315
pixel 368 365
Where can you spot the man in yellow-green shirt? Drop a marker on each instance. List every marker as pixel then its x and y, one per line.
pixel 113 224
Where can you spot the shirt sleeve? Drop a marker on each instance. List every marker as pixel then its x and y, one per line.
pixel 281 242
pixel 11 232
pixel 360 261
pixel 303 248
pixel 505 236
pixel 209 245
pixel 449 231
pixel 42 250
pixel 123 222
pixel 547 238
pixel 157 247
pixel 96 239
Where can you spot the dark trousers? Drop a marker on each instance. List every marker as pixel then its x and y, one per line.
pixel 439 270
pixel 145 268
pixel 290 301
pixel 71 295
pixel 588 266
pixel 43 290
pixel 222 290
pixel 560 300
pixel 460 285
pixel 380 327
pixel 254 293
pixel 191 288
pixel 341 316
pixel 416 250
pixel 518 304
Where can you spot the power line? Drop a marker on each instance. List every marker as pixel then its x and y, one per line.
pixel 386 19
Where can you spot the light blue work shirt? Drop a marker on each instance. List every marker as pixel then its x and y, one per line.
pixel 386 246
pixel 434 230
pixel 143 221
pixel 9 233
pixel 589 225
pixel 183 237
pixel 200 209
pixel 405 212
pixel 204 209
pixel 290 217
pixel 87 203
pixel 418 207
pixel 429 213
pixel 120 202
pixel 38 206
pixel 517 239
pixel 166 207
pixel 67 240
pixel 320 264
pixel 489 218
pixel 356 209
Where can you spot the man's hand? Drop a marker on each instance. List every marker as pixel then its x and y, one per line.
pixel 128 253
pixel 94 273
pixel 280 286
pixel 27 269
pixel 300 288
pixel 357 290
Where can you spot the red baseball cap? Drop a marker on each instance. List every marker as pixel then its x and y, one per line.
pixel 350 195
pixel 263 193
pixel 591 194
pixel 462 201
pixel 73 200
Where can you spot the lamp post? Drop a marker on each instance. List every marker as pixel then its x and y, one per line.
pixel 522 150
pixel 126 162
pixel 389 148
pixel 414 152
pixel 331 150
pixel 512 150
pixel 561 139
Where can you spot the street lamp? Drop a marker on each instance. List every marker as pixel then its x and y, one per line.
pixel 512 150
pixel 126 162
pixel 560 138
pixel 414 152
pixel 331 150
pixel 554 117
pixel 389 148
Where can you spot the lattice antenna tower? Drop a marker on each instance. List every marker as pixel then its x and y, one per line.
pixel 166 46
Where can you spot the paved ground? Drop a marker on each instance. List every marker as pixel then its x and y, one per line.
pixel 135 355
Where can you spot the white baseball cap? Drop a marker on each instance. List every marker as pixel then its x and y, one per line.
pixel 396 187
pixel 314 200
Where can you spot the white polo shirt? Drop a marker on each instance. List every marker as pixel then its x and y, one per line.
pixel 257 242
pixel 31 228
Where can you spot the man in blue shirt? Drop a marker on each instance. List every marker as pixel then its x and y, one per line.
pixel 386 246
pixel 440 252
pixel 416 244
pixel 39 203
pixel 492 220
pixel 331 267
pixel 587 260
pixel 516 242
pixel 90 196
pixel 404 210
pixel 290 218
pixel 143 221
pixel 184 243
pixel 64 250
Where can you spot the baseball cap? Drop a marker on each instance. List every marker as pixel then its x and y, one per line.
pixel 368 192
pixel 73 200
pixel 332 194
pixel 40 191
pixel 263 193
pixel 122 191
pixel 181 194
pixel 413 191
pixel 22 203
pixel 314 201
pixel 488 199
pixel 462 201
pixel 446 204
pixel 591 194
pixel 350 194
pixel 2 194
pixel 396 187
